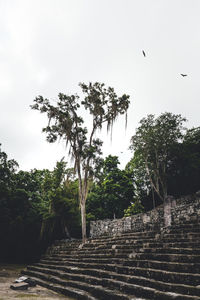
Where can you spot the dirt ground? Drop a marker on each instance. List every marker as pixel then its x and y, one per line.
pixel 8 274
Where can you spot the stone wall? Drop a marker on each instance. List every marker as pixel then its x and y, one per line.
pixel 175 211
pixel 186 209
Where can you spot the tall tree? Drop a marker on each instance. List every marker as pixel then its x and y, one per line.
pixel 65 122
pixel 153 142
pixel 184 173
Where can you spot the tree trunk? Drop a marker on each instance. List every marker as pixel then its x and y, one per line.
pixel 153 197
pixel 83 220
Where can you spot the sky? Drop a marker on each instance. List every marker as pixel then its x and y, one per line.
pixel 50 46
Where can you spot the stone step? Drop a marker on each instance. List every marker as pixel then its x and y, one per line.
pixel 93 255
pixel 182 234
pixel 184 230
pixel 180 239
pixel 192 228
pixel 172 245
pixel 157 274
pixel 139 256
pixel 115 287
pixel 105 248
pixel 146 253
pixel 96 274
pixel 65 290
pixel 126 234
pixel 168 266
pixel 125 249
pixel 119 238
pixel 190 251
pixel 149 264
pixel 186 225
pixel 142 241
pixel 75 244
pixel 189 226
pixel 167 257
pixel 147 246
pixel 152 264
pixel 114 250
pixel 174 230
pixel 139 242
pixel 97 292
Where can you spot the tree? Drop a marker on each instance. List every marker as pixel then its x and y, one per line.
pixel 65 122
pixel 112 192
pixel 8 168
pixel 134 209
pixel 153 142
pixel 61 212
pixel 184 173
pixel 141 182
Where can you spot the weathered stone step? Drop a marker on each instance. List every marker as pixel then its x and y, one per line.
pixel 173 230
pixel 128 288
pixel 94 255
pixel 90 245
pixel 167 257
pixel 96 274
pixel 109 251
pixel 139 242
pixel 185 248
pixel 186 225
pixel 188 235
pixel 175 257
pixel 180 239
pixel 119 238
pixel 65 290
pixel 152 264
pixel 142 241
pixel 97 292
pixel 168 266
pixel 157 274
pixel 138 256
pixel 152 293
pixel 183 227
pixel 133 234
pixel 146 244
pixel 172 245
pixel 194 230
pixel 161 275
pixel 75 244
pixel 190 251
pixel 147 247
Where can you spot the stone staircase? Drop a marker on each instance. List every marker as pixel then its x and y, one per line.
pixel 136 265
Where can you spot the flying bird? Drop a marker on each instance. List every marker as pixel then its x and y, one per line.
pixel 183 75
pixel 144 53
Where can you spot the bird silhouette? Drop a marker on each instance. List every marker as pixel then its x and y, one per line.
pixel 144 53
pixel 183 75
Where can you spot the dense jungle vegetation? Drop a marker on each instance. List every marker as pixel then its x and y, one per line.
pixel 39 206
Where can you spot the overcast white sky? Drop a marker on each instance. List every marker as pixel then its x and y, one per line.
pixel 49 46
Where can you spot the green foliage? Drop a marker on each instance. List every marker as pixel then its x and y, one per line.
pixel 166 159
pixel 32 203
pixel 65 122
pixel 184 175
pixel 134 209
pixel 61 216
pixel 112 192
pixel 152 143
